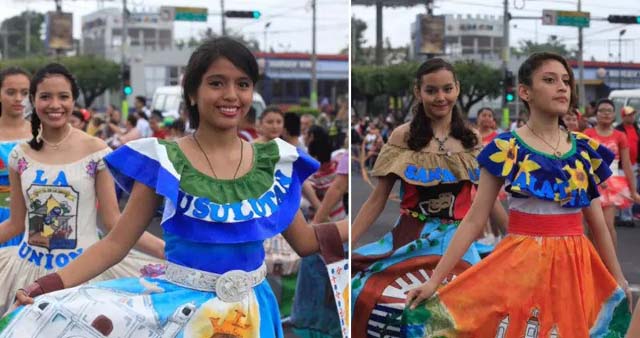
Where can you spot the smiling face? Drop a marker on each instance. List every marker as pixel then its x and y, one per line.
pixel 15 88
pixel 550 91
pixel 54 101
pixel 438 92
pixel 224 96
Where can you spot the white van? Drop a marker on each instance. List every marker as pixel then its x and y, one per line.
pixel 168 99
pixel 625 97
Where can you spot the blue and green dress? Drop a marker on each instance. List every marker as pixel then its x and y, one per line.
pixel 5 150
pixel 436 191
pixel 211 228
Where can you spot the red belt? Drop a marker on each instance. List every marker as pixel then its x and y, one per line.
pixel 521 223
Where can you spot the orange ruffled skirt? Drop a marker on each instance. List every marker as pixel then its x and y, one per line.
pixel 543 280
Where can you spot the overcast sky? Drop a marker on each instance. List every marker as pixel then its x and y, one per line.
pixel 290 28
pixel 601 38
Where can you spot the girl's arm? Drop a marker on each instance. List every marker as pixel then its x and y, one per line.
pixel 604 244
pixel 310 194
pixel 628 172
pixel 499 217
pixel 337 189
pixel 302 237
pixel 110 212
pixel 14 226
pixel 372 207
pixel 468 230
pixel 634 328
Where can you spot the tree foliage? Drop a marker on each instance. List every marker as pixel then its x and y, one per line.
pixel 94 75
pixel 16 27
pixel 357 48
pixel 527 47
pixel 477 81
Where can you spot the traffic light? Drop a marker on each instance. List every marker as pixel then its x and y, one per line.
pixel 126 81
pixel 242 14
pixel 624 19
pixel 509 87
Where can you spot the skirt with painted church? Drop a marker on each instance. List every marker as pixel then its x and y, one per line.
pixel 537 283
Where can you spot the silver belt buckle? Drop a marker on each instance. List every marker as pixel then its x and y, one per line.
pixel 233 286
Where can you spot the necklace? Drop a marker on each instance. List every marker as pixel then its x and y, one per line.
pixel 209 162
pixel 556 153
pixel 441 143
pixel 56 146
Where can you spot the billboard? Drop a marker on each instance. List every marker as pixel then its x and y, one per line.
pixel 59 30
pixel 431 35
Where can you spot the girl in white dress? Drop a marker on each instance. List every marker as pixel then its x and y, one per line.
pixel 57 179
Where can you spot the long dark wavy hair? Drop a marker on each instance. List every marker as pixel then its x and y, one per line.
pixel 420 131
pixel 9 71
pixel 47 71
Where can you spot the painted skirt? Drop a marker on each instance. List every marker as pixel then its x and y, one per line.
pixel 528 287
pixel 144 308
pixel 385 270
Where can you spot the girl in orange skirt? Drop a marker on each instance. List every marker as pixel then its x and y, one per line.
pixel 545 279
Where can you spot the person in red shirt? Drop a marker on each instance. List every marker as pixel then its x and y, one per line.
pixel 155 123
pixel 486 123
pixel 630 128
pixel 619 191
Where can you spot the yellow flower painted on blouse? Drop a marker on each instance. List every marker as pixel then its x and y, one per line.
pixel 508 154
pixel 526 167
pixel 578 179
pixel 592 143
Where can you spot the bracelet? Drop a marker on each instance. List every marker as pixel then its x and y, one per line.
pixel 49 283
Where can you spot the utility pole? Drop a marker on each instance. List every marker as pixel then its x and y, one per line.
pixel 581 88
pixel 379 32
pixel 123 57
pixel 224 28
pixel 620 34
pixel 314 75
pixel 27 38
pixel 506 55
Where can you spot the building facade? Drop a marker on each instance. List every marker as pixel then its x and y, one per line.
pixel 286 77
pixel 477 36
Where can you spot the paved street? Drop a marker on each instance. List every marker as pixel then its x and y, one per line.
pixel 628 237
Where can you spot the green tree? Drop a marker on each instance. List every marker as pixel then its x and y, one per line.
pixel 357 47
pixel 14 29
pixel 477 81
pixel 527 47
pixel 92 82
pixel 94 75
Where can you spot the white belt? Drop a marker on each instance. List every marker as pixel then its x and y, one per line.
pixel 230 287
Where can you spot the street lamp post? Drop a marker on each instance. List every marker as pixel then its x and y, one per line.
pixel 266 26
pixel 620 57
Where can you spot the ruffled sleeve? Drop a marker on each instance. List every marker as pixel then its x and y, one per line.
pixel 146 161
pixel 597 157
pixel 95 162
pixel 499 157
